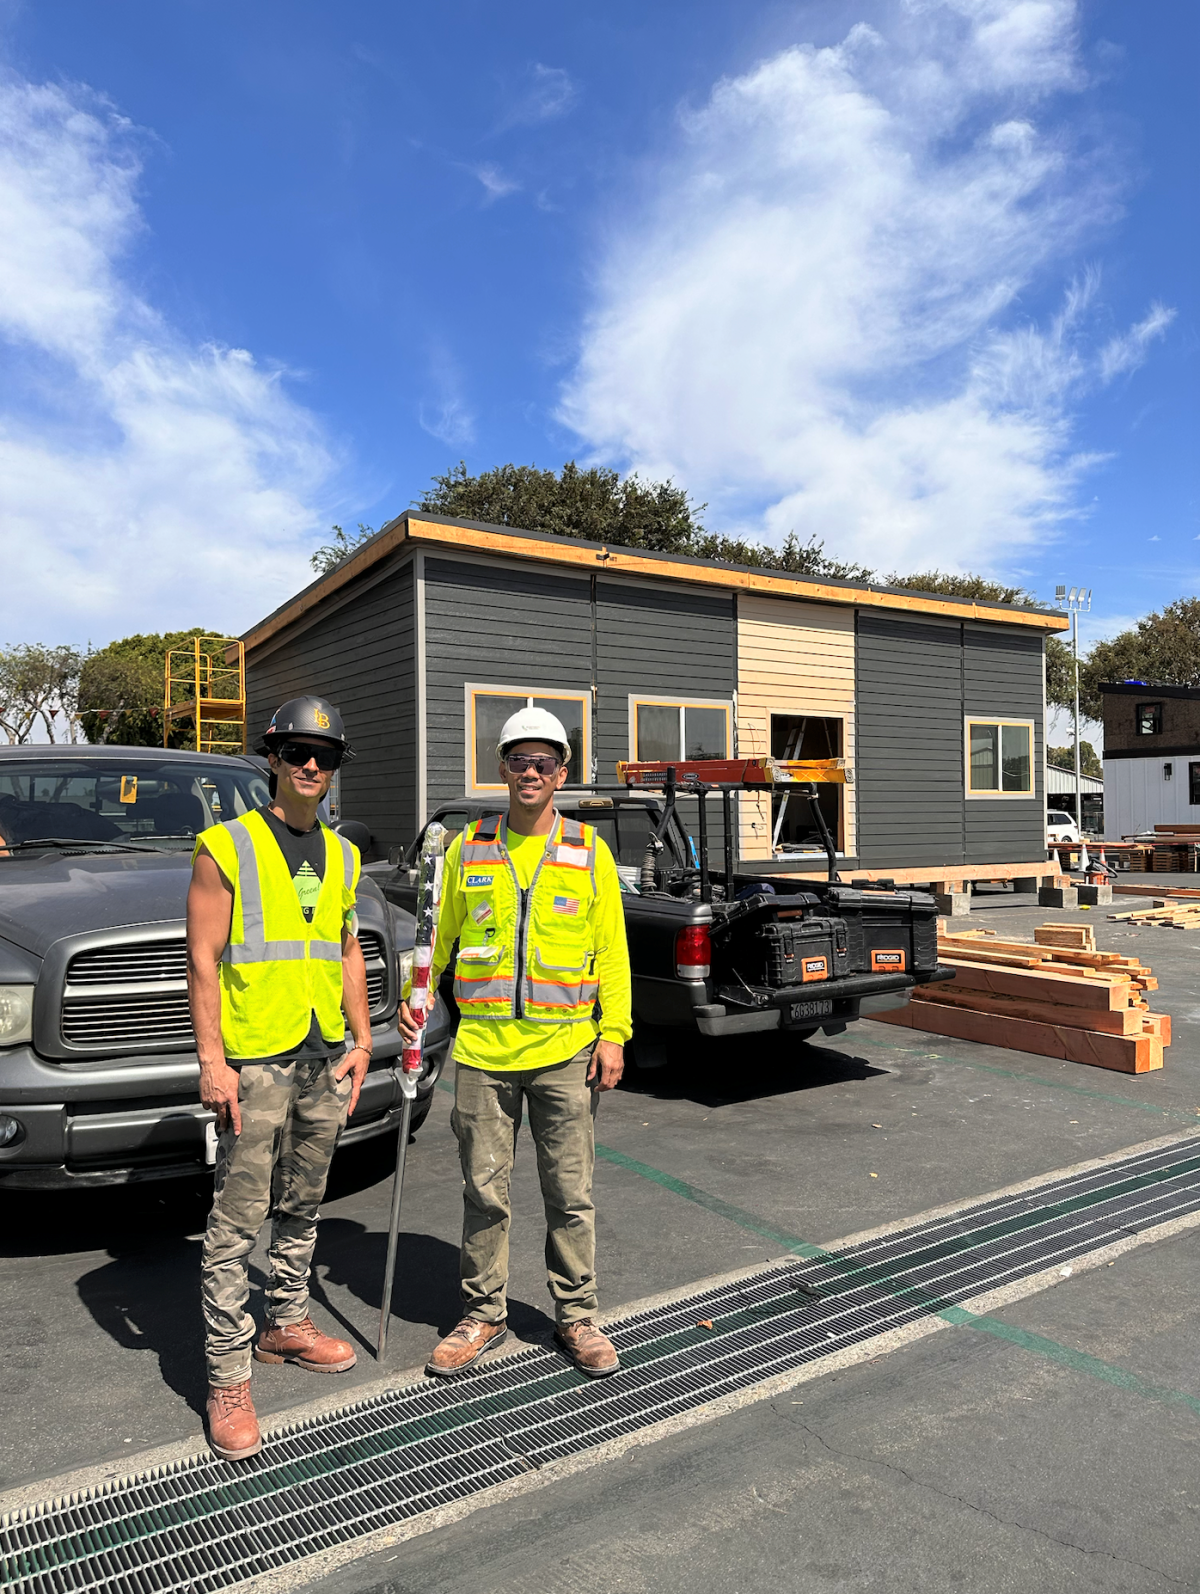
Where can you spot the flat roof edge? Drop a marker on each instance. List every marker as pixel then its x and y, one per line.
pixel 414 526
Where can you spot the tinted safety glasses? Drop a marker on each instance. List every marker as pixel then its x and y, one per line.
pixel 299 753
pixel 542 763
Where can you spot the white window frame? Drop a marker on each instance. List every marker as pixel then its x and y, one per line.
pixel 636 699
pixel 473 689
pixel 998 796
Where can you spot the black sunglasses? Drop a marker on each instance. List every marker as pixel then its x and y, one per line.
pixel 544 763
pixel 299 753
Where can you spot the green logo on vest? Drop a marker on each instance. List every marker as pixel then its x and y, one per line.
pixel 308 888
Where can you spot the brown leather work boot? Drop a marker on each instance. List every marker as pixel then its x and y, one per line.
pixel 304 1344
pixel 232 1424
pixel 464 1345
pixel 588 1348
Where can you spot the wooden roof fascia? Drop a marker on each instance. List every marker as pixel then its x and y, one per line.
pixel 436 532
pixel 630 561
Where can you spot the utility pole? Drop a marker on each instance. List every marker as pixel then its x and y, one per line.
pixel 1078 598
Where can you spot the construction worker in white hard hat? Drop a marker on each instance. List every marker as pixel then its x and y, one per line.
pixel 542 983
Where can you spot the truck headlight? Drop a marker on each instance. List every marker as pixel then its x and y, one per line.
pixel 16 1014
pixel 404 963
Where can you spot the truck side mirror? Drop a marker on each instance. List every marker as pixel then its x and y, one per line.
pixel 355 832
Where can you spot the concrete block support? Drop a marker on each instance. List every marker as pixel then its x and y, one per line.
pixel 1059 897
pixel 954 904
pixel 1094 896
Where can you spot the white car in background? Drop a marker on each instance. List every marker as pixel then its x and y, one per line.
pixel 1061 827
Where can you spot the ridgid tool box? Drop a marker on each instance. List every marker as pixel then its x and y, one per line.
pixel 802 951
pixel 887 932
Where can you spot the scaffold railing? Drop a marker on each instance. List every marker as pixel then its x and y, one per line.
pixel 205 693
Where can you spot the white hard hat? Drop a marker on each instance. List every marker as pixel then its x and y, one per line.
pixel 534 725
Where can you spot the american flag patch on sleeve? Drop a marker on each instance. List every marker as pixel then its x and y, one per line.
pixel 566 905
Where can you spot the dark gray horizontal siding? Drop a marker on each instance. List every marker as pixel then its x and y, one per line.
pixel 498 626
pixel 657 642
pixel 361 656
pixel 1002 675
pixel 910 758
pixel 917 681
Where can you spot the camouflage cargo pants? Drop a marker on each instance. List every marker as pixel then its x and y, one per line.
pixel 292 1116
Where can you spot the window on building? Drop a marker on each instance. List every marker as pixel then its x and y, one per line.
pixel 1194 785
pixel 662 729
pixel 487 709
pixel 1149 719
pixel 1000 758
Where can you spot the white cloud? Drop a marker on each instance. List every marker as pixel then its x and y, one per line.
pixel 447 416
pixel 548 92
pixel 149 482
pixel 1128 350
pixel 495 184
pixel 812 321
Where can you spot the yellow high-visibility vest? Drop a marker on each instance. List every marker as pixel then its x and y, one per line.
pixel 278 969
pixel 527 954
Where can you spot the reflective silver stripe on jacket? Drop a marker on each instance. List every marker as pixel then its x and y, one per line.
pixel 254 947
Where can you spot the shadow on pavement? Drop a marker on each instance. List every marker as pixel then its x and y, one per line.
pixel 147 1298
pixel 700 1070
pixel 68 1222
pixel 351 1257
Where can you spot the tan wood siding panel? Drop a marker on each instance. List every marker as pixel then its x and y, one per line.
pixel 793 658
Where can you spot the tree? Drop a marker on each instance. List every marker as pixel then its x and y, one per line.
pixel 598 505
pixel 38 682
pixel 1089 759
pixel 329 556
pixel 121 690
pixel 1161 649
pixel 946 584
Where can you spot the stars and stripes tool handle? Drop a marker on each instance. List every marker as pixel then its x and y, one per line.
pixel 429 898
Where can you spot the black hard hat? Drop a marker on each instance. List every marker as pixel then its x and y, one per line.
pixel 306 716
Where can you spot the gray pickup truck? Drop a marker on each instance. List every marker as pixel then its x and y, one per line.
pixel 98 1069
pixel 724 954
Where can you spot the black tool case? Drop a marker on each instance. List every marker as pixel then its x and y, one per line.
pixel 887 932
pixel 799 952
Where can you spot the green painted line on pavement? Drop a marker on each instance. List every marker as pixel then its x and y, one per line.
pixel 1076 1360
pixel 957 1316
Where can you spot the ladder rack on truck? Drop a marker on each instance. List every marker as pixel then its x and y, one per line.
pixel 698 777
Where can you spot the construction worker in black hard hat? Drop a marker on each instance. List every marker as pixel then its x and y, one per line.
pixel 275 972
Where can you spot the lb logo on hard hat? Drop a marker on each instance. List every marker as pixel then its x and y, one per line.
pixel 321 718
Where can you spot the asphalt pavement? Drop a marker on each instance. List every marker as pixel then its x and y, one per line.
pixel 959 1462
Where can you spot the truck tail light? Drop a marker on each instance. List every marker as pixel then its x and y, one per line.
pixel 693 952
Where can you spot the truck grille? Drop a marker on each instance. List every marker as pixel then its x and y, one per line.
pixel 135 994
pixel 377 980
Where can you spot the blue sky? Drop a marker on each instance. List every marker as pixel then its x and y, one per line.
pixel 914 278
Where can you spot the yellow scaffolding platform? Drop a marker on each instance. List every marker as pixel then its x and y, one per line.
pixel 206 685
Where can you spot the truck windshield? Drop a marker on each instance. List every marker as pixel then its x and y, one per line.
pixel 122 799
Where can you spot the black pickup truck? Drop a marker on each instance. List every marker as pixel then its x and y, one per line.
pixel 723 953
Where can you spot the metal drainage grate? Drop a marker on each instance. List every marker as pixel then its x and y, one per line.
pixel 203 1524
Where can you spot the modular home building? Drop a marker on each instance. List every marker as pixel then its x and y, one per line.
pixel 1151 756
pixel 435 630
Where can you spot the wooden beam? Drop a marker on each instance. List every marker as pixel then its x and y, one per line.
pixel 1042 869
pixel 1126 1054
pixel 1039 986
pixel 1113 1021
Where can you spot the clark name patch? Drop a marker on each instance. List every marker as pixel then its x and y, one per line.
pixel 566 905
pixel 479 880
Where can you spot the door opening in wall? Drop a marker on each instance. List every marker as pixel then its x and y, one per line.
pixel 807 736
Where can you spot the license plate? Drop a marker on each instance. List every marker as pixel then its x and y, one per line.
pixel 800 1010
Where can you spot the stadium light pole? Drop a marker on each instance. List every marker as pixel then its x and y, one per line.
pixel 1078 598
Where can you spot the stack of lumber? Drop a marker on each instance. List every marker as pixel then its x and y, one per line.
pixel 1183 914
pixel 1056 996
